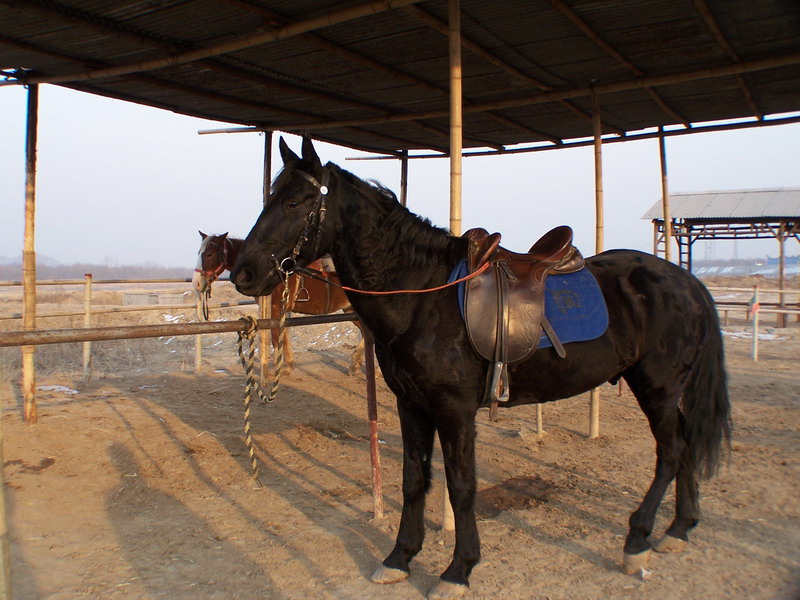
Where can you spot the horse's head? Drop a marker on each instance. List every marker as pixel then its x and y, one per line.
pixel 212 259
pixel 292 230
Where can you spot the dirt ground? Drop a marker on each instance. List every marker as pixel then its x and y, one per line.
pixel 136 485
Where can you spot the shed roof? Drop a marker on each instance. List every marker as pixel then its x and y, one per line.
pixel 780 203
pixel 374 74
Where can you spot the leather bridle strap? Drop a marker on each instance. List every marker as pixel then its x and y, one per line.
pixel 316 275
pixel 317 213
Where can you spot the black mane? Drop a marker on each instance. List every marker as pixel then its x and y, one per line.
pixel 423 244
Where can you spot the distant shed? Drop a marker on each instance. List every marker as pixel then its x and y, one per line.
pixel 727 215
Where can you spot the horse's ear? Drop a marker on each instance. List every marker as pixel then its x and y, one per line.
pixel 224 235
pixel 202 235
pixel 286 153
pixel 309 153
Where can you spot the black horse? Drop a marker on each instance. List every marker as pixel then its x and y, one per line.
pixel 663 338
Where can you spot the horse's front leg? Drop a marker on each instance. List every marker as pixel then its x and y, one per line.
pixel 417 431
pixel 457 435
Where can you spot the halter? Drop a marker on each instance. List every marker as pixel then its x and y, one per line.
pixel 213 274
pixel 317 213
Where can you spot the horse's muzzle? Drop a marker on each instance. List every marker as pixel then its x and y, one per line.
pixel 252 279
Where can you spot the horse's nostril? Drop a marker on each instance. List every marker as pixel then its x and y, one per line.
pixel 243 276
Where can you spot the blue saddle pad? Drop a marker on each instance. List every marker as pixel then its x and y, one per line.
pixel 573 303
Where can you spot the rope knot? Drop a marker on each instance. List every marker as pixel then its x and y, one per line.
pixel 250 327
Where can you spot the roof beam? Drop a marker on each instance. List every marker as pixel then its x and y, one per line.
pixel 608 49
pixel 582 92
pixel 713 26
pixel 184 88
pixel 277 19
pixel 251 41
pixel 440 26
pixel 54 10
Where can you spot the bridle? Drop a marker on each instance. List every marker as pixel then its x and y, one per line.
pixel 315 218
pixel 212 275
pixel 288 265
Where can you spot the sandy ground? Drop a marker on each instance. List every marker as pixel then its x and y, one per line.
pixel 136 485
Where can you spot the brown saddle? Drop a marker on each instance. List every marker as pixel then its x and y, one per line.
pixel 504 305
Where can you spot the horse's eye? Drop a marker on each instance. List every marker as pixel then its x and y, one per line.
pixel 293 203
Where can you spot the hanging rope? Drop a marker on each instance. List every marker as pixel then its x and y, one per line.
pixel 251 383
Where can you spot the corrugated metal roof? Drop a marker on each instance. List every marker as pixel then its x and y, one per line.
pixel 781 203
pixel 379 81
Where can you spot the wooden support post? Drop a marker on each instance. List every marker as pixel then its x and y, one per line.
pixel 456 148
pixel 539 421
pixel 372 416
pixel 29 257
pixel 265 302
pixel 404 179
pixel 198 339
pixel 87 322
pixel 597 126
pixel 456 116
pixel 662 153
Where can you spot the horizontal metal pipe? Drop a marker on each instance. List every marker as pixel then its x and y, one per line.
pixel 96 334
pixel 138 308
pixel 96 281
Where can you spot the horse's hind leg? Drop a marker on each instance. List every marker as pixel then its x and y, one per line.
pixel 417 431
pixel 687 505
pixel 662 413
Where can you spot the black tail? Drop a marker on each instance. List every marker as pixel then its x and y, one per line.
pixel 706 406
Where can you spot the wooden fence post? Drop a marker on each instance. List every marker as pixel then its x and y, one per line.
pixel 87 322
pixel 29 257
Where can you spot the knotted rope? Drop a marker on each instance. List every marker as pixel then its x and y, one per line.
pixel 251 383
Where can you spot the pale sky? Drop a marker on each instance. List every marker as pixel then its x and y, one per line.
pixel 121 183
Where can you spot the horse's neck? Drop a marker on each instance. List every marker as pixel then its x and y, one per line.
pixel 394 249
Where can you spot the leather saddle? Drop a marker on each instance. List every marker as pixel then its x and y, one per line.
pixel 504 305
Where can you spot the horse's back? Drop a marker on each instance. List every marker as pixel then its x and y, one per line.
pixel 659 317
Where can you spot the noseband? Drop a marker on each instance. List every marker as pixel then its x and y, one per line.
pixel 315 218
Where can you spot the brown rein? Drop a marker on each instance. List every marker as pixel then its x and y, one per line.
pixel 475 273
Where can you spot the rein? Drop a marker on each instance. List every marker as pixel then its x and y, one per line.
pixel 315 275
pixel 288 265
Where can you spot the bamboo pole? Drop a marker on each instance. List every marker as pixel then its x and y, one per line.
pixel 87 322
pixel 662 154
pixel 372 416
pixel 456 149
pixel 597 126
pixel 265 302
pixel 29 257
pixel 404 179
pixel 198 339
pixel 456 116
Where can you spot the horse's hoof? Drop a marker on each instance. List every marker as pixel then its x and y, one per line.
pixel 446 590
pixel 384 574
pixel 632 564
pixel 670 544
